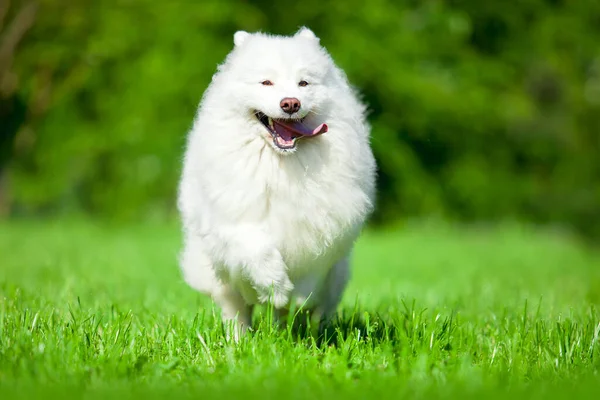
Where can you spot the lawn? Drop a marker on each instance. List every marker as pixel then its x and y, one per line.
pixel 433 311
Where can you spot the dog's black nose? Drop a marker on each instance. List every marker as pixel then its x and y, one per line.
pixel 290 105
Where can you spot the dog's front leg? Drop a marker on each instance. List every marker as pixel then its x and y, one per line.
pixel 267 274
pixel 251 259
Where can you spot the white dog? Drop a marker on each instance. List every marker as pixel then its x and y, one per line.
pixel 278 179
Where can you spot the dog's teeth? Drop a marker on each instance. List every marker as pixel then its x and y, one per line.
pixel 271 122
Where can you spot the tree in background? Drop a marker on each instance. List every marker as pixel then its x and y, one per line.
pixel 13 27
pixel 480 110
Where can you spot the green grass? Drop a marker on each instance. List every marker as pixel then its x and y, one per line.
pixel 90 310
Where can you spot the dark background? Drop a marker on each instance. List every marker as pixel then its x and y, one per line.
pixel 481 111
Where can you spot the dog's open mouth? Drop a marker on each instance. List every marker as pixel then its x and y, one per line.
pixel 285 132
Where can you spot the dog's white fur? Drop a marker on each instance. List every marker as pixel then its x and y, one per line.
pixel 265 224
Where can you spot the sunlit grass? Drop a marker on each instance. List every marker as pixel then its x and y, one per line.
pixel 431 311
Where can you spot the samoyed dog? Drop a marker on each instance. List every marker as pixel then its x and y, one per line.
pixel 278 179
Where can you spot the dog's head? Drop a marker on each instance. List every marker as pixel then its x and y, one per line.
pixel 281 84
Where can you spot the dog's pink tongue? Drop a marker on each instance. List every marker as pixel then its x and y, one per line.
pixel 289 130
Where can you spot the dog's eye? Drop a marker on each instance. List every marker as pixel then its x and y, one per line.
pixel 267 83
pixel 302 83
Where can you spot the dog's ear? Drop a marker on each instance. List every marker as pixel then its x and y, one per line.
pixel 307 33
pixel 240 37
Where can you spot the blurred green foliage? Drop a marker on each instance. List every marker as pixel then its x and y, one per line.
pixel 480 110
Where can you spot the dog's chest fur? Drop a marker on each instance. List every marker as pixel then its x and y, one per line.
pixel 309 202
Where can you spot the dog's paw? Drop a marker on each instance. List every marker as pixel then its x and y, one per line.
pixel 267 275
pixel 278 293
